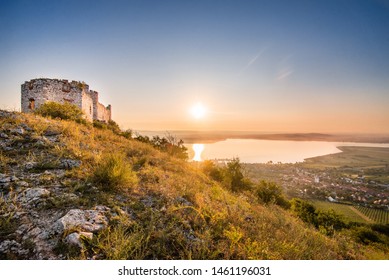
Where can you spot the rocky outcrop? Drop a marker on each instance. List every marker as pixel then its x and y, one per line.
pixel 84 220
pixel 39 209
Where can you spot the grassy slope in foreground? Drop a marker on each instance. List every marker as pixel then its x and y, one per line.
pixel 172 210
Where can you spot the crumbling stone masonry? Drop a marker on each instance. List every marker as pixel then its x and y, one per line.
pixel 38 91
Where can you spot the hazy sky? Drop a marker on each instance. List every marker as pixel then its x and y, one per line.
pixel 302 66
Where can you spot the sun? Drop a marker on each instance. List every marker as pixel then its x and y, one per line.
pixel 198 111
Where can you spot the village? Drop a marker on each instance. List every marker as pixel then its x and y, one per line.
pixel 337 185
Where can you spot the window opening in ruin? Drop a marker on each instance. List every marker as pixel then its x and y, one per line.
pixel 31 105
pixel 90 110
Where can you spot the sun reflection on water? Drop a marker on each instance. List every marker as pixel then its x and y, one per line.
pixel 198 149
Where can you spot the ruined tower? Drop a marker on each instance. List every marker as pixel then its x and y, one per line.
pixel 36 92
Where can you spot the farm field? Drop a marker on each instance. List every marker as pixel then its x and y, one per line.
pixel 362 157
pixel 347 211
pixel 373 162
pixel 359 214
pixel 376 215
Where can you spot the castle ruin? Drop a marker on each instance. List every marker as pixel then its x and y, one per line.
pixel 38 91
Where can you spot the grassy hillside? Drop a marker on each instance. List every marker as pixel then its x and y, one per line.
pixel 150 205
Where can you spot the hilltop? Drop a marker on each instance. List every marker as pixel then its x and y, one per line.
pixel 71 190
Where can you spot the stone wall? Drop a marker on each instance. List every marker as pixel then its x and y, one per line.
pixel 38 91
pixel 103 113
pixel 87 106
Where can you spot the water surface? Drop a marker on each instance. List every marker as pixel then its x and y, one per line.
pixel 263 151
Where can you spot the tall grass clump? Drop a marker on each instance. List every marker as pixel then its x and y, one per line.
pixel 65 111
pixel 114 172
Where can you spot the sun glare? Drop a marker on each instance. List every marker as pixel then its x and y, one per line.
pixel 198 149
pixel 198 111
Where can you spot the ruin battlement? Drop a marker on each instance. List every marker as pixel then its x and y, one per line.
pixel 36 92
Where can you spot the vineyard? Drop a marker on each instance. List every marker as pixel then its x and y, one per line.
pixel 351 213
pixel 376 215
pixel 346 211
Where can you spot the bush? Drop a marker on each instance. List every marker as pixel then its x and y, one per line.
pixel 168 144
pixel 111 125
pixel 384 229
pixel 234 176
pixel 366 235
pixel 211 170
pixel 327 222
pixel 305 211
pixel 231 176
pixel 64 111
pixel 127 134
pixel 114 172
pixel 269 192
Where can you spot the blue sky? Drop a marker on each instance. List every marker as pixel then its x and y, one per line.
pixel 302 66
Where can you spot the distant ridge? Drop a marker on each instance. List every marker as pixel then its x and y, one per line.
pixel 209 137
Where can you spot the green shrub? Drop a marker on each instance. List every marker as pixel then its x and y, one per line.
pixel 114 172
pixel 231 175
pixel 211 170
pixel 111 125
pixel 305 211
pixel 383 229
pixel 269 192
pixel 99 124
pixel 366 235
pixel 327 222
pixel 127 133
pixel 168 144
pixel 64 111
pixel 234 178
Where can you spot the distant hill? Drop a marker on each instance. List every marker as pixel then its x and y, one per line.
pixel 215 136
pixel 74 191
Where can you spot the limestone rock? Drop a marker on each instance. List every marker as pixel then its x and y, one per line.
pixel 11 246
pixel 33 195
pixel 87 220
pixel 69 163
pixel 75 238
pixel 183 201
pixel 30 165
pixel 52 132
pixel 23 184
pixel 18 131
pixel 4 179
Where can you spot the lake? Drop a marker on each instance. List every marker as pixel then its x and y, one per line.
pixel 263 151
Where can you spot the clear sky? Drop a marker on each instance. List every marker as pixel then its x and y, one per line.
pixel 280 66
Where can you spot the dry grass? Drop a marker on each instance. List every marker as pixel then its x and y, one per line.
pixel 177 212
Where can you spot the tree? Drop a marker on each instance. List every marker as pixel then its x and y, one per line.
pixel 327 222
pixel 305 211
pixel 270 192
pixel 234 176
